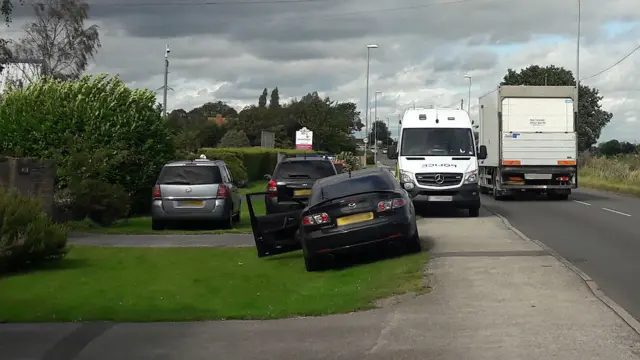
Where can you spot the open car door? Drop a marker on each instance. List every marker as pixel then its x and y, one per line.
pixel 275 233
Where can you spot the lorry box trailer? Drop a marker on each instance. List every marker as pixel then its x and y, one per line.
pixel 531 140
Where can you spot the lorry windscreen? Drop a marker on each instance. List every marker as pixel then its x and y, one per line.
pixel 437 142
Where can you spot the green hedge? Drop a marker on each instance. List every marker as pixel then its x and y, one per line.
pixel 256 161
pixel 234 163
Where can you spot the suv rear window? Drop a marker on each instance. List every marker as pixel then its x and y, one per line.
pixel 190 175
pixel 313 169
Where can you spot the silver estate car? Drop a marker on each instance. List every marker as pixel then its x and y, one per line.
pixel 195 190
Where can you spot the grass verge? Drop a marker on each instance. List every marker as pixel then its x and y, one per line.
pixel 182 284
pixel 142 225
pixel 606 185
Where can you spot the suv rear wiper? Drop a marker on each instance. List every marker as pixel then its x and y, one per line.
pixel 177 182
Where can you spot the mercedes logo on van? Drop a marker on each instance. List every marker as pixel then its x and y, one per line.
pixel 188 190
pixel 439 178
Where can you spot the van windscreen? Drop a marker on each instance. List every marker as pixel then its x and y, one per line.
pixel 437 142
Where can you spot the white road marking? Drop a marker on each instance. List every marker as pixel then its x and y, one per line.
pixel 616 212
pixel 582 202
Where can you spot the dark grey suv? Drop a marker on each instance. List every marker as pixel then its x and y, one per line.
pixel 195 190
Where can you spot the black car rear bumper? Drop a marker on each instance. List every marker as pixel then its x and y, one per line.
pixel 273 206
pixel 398 227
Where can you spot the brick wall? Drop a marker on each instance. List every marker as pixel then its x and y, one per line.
pixel 30 177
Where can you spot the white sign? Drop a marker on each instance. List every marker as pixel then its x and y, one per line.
pixel 304 139
pixel 365 140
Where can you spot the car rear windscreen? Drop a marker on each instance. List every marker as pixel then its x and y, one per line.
pixel 304 169
pixel 361 184
pixel 190 175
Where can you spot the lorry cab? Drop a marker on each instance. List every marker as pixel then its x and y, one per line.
pixel 437 157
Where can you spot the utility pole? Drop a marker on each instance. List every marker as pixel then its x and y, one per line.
pixel 578 66
pixel 366 111
pixel 166 81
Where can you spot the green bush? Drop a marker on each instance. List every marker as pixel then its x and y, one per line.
pixel 27 235
pixel 234 139
pixel 348 160
pixel 234 163
pixel 120 132
pixel 256 161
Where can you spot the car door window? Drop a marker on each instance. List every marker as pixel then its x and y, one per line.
pixel 226 169
pixel 225 174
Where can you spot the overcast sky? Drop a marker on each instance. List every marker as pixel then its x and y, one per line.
pixel 230 50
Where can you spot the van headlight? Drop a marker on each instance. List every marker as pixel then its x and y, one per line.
pixel 406 176
pixel 471 177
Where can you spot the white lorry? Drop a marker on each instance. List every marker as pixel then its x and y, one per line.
pixel 530 136
pixel 438 159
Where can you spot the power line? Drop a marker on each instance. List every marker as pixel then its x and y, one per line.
pixel 612 66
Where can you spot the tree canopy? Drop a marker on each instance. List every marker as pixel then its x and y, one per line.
pixel 591 117
pixel 380 132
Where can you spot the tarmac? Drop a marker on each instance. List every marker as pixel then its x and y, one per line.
pixel 494 295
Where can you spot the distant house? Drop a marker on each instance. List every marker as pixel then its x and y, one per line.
pixel 19 73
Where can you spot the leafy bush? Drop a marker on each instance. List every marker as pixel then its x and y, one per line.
pixel 256 161
pixel 120 131
pixel 234 139
pixel 348 160
pixel 99 201
pixel 234 163
pixel 27 235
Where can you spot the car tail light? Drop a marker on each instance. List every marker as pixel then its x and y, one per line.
pixel 222 191
pixel 316 219
pixel 563 178
pixel 386 205
pixel 272 189
pixel 156 193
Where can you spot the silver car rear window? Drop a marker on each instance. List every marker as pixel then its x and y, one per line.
pixel 190 175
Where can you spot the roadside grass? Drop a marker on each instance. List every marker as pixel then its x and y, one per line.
pixel 142 225
pixel 189 284
pixel 619 174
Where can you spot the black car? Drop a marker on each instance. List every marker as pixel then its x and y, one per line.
pixel 344 212
pixel 290 184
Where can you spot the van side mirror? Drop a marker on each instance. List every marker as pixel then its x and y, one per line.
pixel 482 152
pixel 392 153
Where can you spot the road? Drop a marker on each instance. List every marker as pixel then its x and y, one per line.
pixel 598 232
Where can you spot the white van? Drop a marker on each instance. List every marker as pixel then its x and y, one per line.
pixel 437 157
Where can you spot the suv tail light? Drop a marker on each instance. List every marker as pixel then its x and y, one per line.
pixel 222 191
pixel 155 195
pixel 272 189
pixel 391 204
pixel 316 219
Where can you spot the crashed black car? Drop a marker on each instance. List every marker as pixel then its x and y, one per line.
pixel 344 212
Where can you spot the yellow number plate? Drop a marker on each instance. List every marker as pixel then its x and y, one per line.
pixel 305 192
pixel 192 203
pixel 356 218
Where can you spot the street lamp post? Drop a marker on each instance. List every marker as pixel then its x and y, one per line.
pixel 366 113
pixel 469 99
pixel 578 65
pixel 375 126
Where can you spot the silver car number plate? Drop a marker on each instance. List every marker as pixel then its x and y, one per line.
pixel 440 198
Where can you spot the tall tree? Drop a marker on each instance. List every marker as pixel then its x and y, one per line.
pixel 262 100
pixel 380 132
pixel 591 117
pixel 58 37
pixel 274 102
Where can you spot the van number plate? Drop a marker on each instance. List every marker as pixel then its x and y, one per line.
pixel 440 198
pixel 537 176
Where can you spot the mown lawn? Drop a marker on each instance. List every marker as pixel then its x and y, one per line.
pixel 180 284
pixel 142 225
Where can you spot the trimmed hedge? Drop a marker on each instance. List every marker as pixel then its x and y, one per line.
pixel 257 161
pixel 234 163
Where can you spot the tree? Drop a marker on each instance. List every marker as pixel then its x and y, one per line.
pixel 274 102
pixel 591 118
pixel 234 139
pixel 382 134
pixel 58 37
pixel 262 100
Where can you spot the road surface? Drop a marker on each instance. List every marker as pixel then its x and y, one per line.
pixel 596 231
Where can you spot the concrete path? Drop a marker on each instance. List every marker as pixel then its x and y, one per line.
pixel 495 296
pixel 175 240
